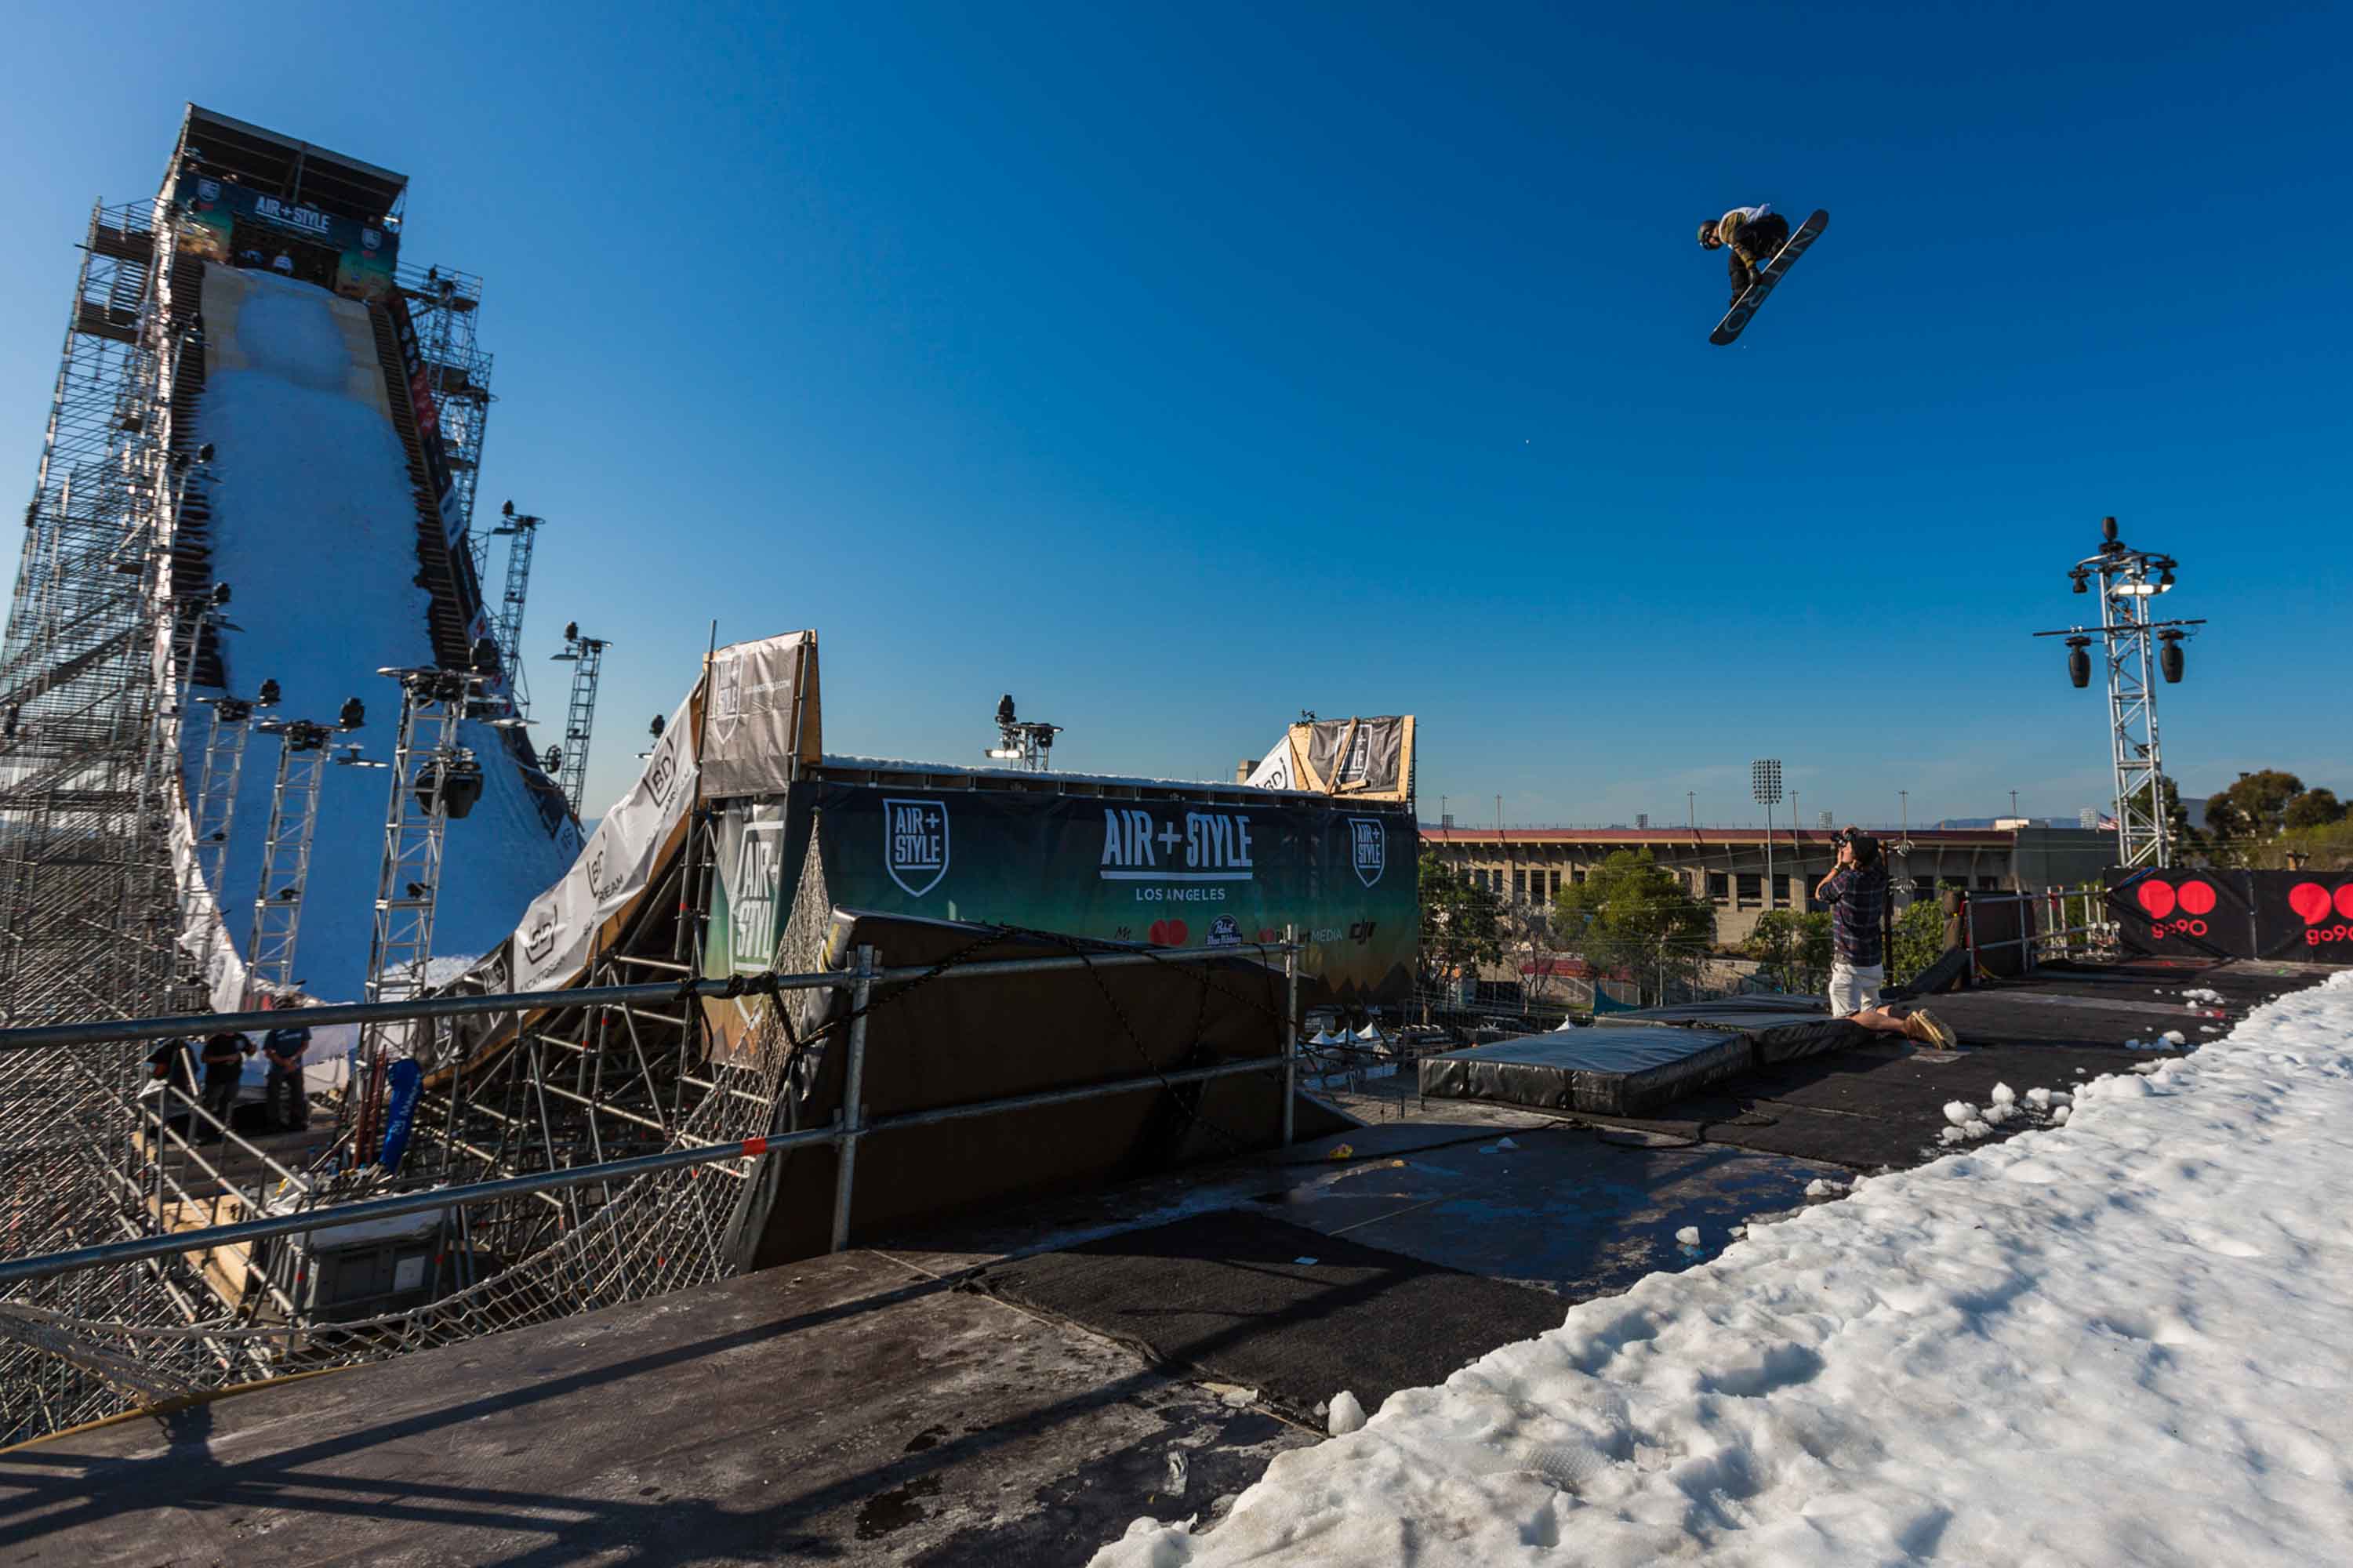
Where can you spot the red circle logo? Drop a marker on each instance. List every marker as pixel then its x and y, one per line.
pixel 2345 900
pixel 2157 897
pixel 2310 901
pixel 2197 898
pixel 1168 933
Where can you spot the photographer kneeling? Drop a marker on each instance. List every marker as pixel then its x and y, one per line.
pixel 1856 892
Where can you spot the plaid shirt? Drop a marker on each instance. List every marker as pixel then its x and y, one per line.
pixel 1858 899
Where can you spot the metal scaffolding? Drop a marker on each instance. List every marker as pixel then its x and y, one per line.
pixel 116 830
pixel 211 819
pixel 2135 648
pixel 570 763
pixel 522 529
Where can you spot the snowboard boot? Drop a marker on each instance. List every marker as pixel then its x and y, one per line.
pixel 1929 1030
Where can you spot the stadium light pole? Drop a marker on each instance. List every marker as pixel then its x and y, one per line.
pixel 1764 783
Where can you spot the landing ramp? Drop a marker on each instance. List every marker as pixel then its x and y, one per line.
pixel 1609 1072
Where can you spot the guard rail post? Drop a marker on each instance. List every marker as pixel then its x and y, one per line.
pixel 853 1114
pixel 1290 1031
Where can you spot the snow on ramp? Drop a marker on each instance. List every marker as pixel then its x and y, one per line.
pixel 314 528
pixel 2122 1340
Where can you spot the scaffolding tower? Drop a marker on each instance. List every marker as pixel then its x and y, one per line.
pixel 570 764
pixel 2134 648
pixel 211 819
pixel 286 853
pixel 522 529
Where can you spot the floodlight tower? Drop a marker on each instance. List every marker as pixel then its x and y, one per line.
pixel 1025 742
pixel 570 763
pixel 434 779
pixel 2134 645
pixel 303 759
pixel 524 529
pixel 1764 783
pixel 211 816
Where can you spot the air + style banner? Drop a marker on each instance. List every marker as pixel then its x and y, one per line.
pixel 220 218
pixel 1210 873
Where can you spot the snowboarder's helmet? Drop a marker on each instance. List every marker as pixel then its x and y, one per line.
pixel 1708 239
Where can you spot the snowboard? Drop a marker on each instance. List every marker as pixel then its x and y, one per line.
pixel 1767 276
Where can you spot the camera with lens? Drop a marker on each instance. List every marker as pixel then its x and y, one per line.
pixel 1865 847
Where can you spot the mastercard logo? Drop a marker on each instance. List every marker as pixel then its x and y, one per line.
pixel 2313 903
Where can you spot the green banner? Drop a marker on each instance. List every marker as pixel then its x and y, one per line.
pixel 223 222
pixel 1219 872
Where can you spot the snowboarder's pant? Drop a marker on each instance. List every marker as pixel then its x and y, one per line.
pixel 1753 246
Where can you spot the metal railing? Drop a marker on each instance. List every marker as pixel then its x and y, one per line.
pixel 2045 922
pixel 862 980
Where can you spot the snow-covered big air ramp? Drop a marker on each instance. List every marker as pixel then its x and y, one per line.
pixel 314 528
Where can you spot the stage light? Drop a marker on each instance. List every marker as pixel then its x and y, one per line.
pixel 353 714
pixel 269 694
pixel 572 631
pixel 205 453
pixel 2168 657
pixel 2079 662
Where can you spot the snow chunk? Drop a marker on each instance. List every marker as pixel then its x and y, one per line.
pixel 1818 1188
pixel 1976 1129
pixel 1959 1112
pixel 2004 1094
pixel 2176 1037
pixel 2039 1098
pixel 2059 1117
pixel 1688 1236
pixel 1346 1417
pixel 1953 1135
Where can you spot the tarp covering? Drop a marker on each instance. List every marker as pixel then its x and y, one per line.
pixel 759 724
pixel 630 845
pixel 965 1041
pixel 1609 1072
pixel 1779 1028
pixel 1368 759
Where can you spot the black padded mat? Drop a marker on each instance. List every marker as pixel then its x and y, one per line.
pixel 1607 1070
pixel 1226 1295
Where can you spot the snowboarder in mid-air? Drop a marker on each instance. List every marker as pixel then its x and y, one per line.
pixel 1754 235
pixel 1762 250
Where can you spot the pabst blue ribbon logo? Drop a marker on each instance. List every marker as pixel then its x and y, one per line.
pixel 915 844
pixel 208 189
pixel 1367 849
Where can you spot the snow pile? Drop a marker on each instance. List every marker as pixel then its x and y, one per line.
pixel 2118 1342
pixel 314 528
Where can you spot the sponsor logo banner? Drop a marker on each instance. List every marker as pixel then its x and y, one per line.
pixel 1169 873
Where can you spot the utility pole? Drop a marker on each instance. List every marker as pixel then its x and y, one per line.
pixel 2134 648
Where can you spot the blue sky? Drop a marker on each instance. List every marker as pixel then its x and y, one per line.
pixel 1176 367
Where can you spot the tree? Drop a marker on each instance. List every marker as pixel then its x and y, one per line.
pixel 1792 949
pixel 2188 842
pixel 1631 916
pixel 1460 922
pixel 1918 940
pixel 2312 809
pixel 2256 807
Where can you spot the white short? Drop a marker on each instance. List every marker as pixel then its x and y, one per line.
pixel 1853 989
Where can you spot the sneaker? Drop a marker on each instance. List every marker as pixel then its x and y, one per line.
pixel 1925 1026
